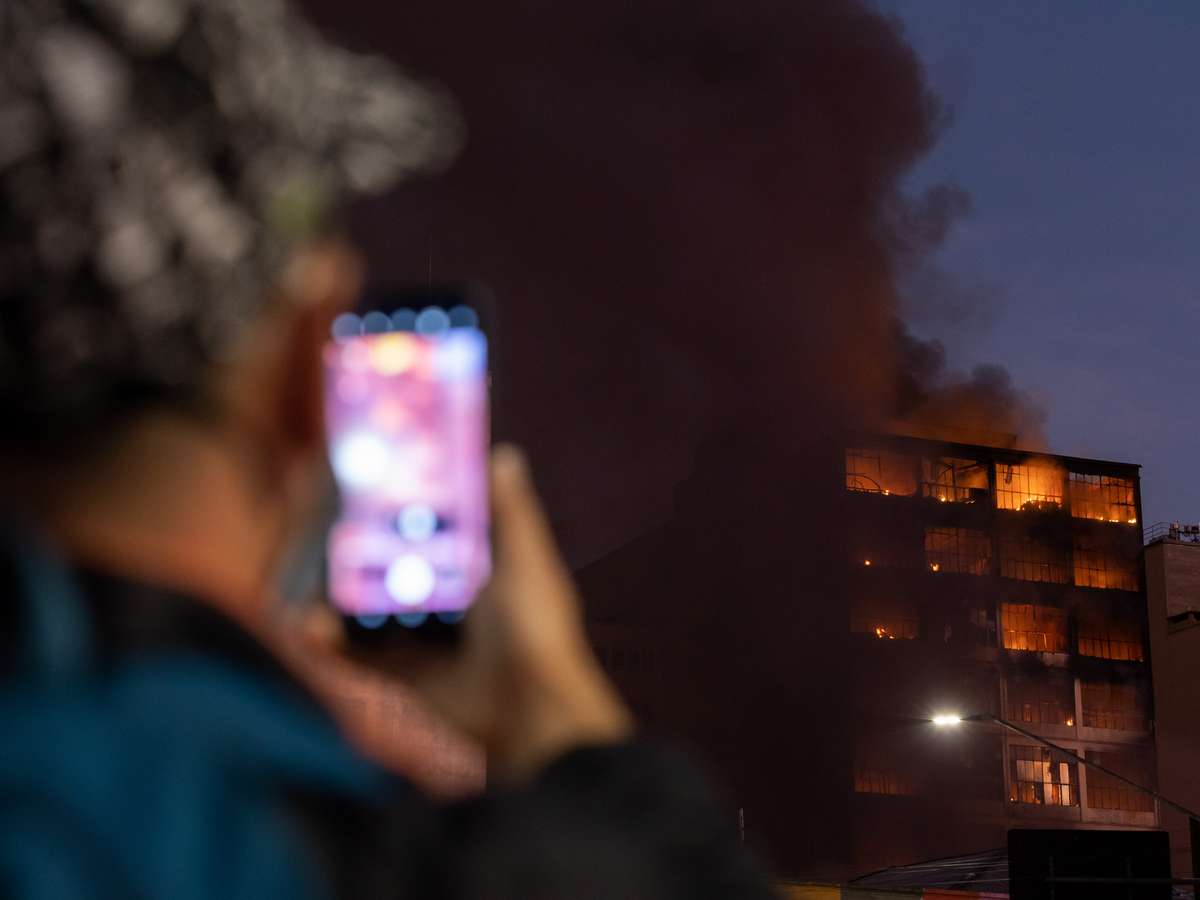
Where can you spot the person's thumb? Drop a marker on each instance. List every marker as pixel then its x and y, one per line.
pixel 521 535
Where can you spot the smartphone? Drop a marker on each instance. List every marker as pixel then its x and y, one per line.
pixel 407 413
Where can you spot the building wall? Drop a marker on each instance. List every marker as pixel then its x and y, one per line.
pixel 1172 582
pixel 744 627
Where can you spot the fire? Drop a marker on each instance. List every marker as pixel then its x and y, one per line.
pixel 1071 722
pixel 881 633
pixel 935 567
pixel 866 562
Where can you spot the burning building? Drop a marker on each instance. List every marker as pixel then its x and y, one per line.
pixel 802 632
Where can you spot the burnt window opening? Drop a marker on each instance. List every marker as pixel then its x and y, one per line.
pixel 876 771
pixel 981 626
pixel 1028 626
pixel 1117 707
pixel 1106 792
pixel 885 782
pixel 877 471
pixel 1029 487
pixel 1107 637
pixel 885 620
pixel 1108 498
pixel 962 550
pixel 951 480
pixel 1041 701
pixel 1038 778
pixel 1098 567
pixel 1029 560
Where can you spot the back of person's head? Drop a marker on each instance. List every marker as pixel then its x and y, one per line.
pixel 161 163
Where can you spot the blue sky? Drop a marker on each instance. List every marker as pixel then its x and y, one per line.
pixel 1076 131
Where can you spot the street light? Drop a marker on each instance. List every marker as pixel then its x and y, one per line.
pixel 943 720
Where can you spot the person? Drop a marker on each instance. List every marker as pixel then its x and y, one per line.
pixel 170 174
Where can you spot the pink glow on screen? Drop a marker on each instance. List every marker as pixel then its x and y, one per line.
pixel 407 420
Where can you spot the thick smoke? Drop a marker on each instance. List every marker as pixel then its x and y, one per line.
pixel 691 217
pixel 691 214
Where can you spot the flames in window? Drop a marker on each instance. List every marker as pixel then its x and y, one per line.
pixel 1101 567
pixel 1038 778
pixel 878 471
pixel 1033 486
pixel 951 480
pixel 1029 560
pixel 1047 700
pixel 1028 626
pixel 886 621
pixel 1108 498
pixel 1108 637
pixel 963 550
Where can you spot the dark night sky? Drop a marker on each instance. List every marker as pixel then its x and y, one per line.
pixel 1076 132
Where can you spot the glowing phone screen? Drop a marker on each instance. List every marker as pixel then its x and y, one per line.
pixel 407 421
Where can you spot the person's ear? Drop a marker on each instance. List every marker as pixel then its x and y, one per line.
pixel 322 282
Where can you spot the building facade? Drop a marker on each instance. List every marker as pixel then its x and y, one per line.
pixel 801 631
pixel 1173 593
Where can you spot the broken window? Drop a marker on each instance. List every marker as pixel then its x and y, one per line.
pixel 1042 701
pixel 877 471
pixel 1033 561
pixel 1105 497
pixel 1028 626
pixel 1039 778
pixel 1118 707
pixel 1029 487
pixel 953 480
pixel 885 620
pixel 1109 638
pixel 962 550
pixel 1106 792
pixel 1102 568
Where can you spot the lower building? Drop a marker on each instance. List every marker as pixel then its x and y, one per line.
pixel 1173 592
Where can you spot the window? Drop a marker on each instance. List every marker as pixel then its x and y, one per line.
pixel 1031 627
pixel 888 782
pixel 958 550
pixel 1109 638
pixel 953 480
pixel 877 471
pixel 981 626
pixel 1115 706
pixel 1041 701
pixel 876 771
pixel 1039 779
pixel 886 621
pixel 1033 561
pixel 1106 792
pixel 1100 568
pixel 1028 487
pixel 1105 497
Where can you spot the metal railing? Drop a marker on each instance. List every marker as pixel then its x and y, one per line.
pixel 1172 531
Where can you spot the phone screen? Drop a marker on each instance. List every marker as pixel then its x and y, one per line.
pixel 407 418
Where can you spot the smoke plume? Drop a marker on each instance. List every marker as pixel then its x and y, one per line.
pixel 691 216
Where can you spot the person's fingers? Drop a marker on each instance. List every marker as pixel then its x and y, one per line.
pixel 522 538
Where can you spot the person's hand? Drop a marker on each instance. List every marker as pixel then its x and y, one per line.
pixel 524 681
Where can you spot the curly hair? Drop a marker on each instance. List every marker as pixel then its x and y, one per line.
pixel 159 160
